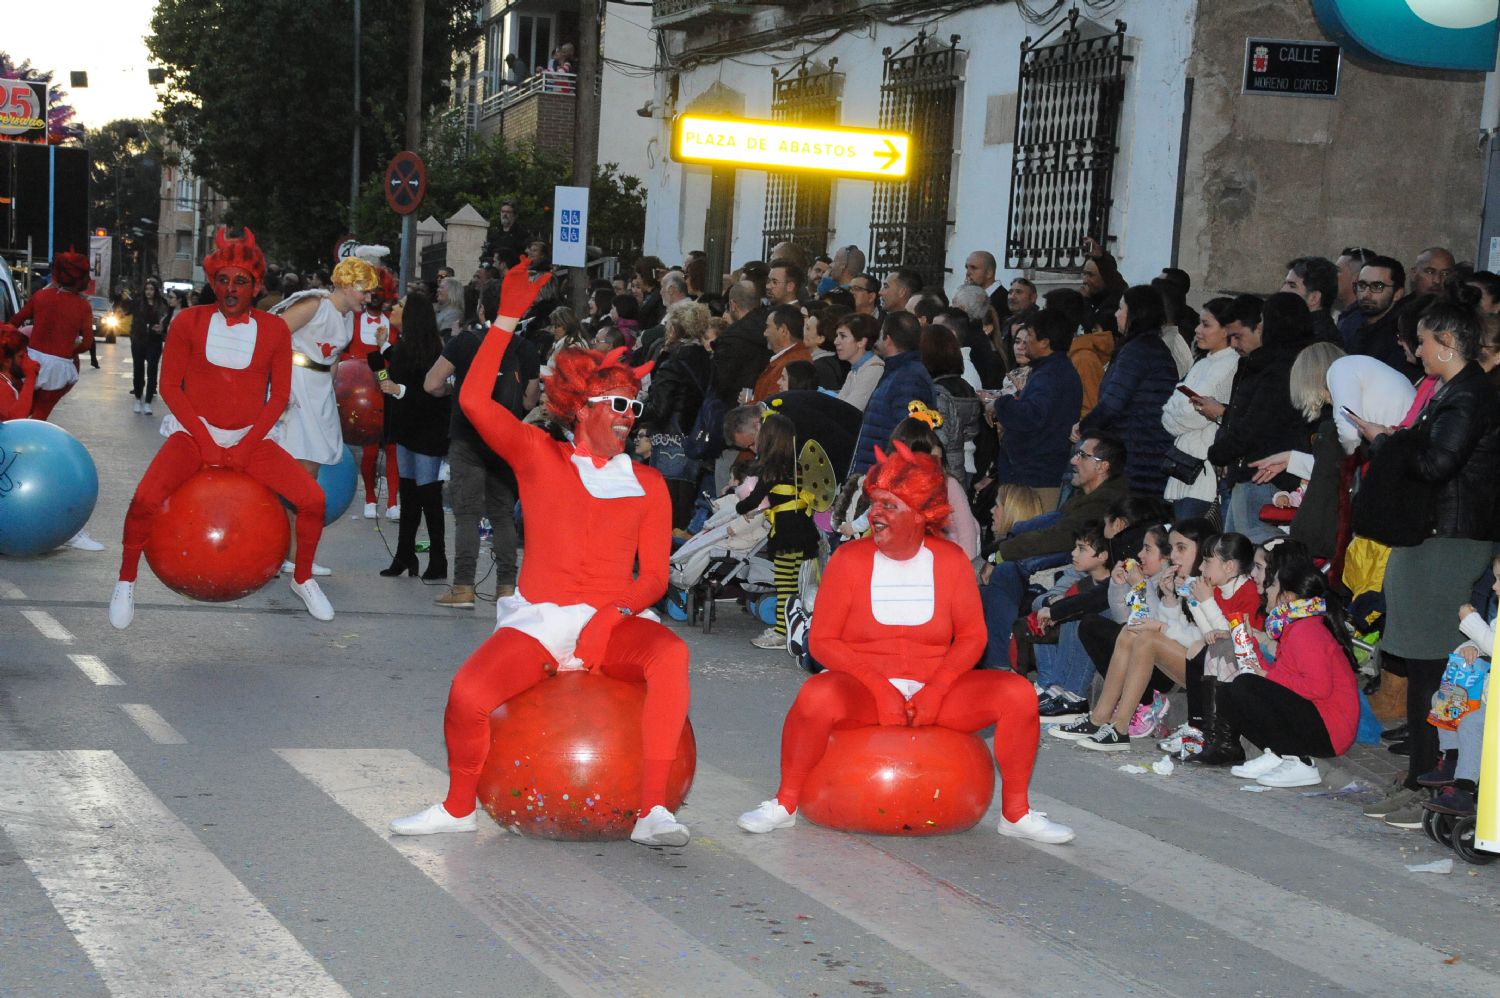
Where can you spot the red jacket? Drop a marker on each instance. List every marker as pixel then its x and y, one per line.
pixel 1311 664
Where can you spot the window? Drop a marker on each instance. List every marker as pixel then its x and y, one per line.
pixel 494 57
pixel 797 203
pixel 909 218
pixel 531 38
pixel 1067 121
pixel 184 190
pixel 184 248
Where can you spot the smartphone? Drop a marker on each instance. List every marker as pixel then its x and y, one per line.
pixel 1184 389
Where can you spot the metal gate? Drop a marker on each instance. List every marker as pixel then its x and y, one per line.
pixel 1067 123
pixel 909 218
pixel 797 203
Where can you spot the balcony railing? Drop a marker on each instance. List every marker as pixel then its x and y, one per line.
pixel 545 82
pixel 684 14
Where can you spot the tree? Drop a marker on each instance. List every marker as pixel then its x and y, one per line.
pixel 260 94
pixel 60 127
pixel 125 164
pixel 486 173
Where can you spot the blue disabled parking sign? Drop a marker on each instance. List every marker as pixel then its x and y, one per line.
pixel 570 226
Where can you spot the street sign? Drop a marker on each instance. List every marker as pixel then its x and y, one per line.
pixel 1290 68
pixel 344 249
pixel 405 182
pixel 23 111
pixel 570 226
pixel 771 145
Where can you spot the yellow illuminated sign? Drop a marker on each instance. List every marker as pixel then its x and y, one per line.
pixel 770 145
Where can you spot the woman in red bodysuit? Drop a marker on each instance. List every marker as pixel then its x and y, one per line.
pixel 62 327
pixel 593 515
pixel 899 628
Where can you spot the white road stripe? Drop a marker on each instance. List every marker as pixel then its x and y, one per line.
pixel 1328 942
pixel 954 932
pixel 10 591
pixel 153 724
pixel 589 936
pixel 93 667
pixel 48 625
pixel 154 910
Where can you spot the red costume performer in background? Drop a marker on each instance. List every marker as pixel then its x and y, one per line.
pixel 226 376
pixel 18 371
pixel 367 338
pixel 597 514
pixel 899 629
pixel 62 328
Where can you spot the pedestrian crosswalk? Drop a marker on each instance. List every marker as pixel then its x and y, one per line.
pixel 155 910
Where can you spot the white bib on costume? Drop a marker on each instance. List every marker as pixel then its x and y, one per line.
pixel 554 626
pixel 616 480
pixel 903 593
pixel 227 346
pixel 369 327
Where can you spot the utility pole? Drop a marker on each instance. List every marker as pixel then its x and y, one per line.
pixel 586 123
pixel 416 15
pixel 354 165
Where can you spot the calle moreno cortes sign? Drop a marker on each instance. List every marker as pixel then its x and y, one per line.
pixel 1290 68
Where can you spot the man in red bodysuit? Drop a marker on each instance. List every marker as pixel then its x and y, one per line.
pixel 899 628
pixel 62 328
pixel 578 604
pixel 18 373
pixel 226 375
pixel 373 333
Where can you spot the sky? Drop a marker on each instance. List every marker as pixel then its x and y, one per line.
pixel 105 38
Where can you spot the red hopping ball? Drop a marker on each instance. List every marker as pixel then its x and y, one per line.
pixel 221 536
pixel 361 405
pixel 565 759
pixel 888 780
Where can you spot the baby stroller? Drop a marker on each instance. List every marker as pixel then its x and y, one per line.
pixel 726 555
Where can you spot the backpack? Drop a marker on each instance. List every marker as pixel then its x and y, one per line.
pixel 705 441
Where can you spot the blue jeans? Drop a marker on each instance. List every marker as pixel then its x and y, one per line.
pixel 1242 512
pixel 1065 664
pixel 1001 598
pixel 1189 508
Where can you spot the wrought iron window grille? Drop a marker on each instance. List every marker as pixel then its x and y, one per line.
pixel 797 204
pixel 909 218
pixel 1066 141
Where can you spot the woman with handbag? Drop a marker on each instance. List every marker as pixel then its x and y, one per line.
pixel 679 384
pixel 1192 482
pixel 1429 492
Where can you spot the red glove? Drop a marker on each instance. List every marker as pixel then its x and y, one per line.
pixel 594 638
pixel 926 703
pixel 214 456
pixel 890 707
pixel 236 458
pixel 519 290
pixel 30 367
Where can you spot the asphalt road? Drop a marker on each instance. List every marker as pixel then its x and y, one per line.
pixel 196 806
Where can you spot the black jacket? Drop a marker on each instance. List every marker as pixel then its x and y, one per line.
pixel 740 354
pixel 678 383
pixel 1457 439
pixel 1378 340
pixel 1261 419
pixel 1317 521
pixel 417 421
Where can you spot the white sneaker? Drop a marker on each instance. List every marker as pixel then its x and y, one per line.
pixel 147 408
pixel 122 605
pixel 1257 767
pixel 137 407
pixel 312 596
pixel 369 511
pixel 1036 826
pixel 1292 772
pixel 318 570
pixel 83 542
pixel 434 821
pixel 393 513
pixel 769 639
pixel 768 817
pixel 659 827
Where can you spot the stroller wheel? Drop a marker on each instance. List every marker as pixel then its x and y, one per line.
pixel 677 604
pixel 1463 843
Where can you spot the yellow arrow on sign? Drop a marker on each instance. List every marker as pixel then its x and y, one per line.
pixel 771 145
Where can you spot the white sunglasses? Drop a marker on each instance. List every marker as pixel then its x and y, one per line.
pixel 621 404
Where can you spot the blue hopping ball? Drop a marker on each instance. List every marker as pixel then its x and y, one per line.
pixel 48 486
pixel 338 482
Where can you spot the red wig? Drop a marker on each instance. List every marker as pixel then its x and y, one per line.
pixel 241 253
pixel 578 374
pixel 12 347
pixel 70 270
pixel 915 479
pixel 389 290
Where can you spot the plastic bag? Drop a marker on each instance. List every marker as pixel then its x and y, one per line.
pixel 1460 691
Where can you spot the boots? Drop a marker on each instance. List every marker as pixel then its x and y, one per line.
pixel 430 498
pixel 1221 742
pixel 406 534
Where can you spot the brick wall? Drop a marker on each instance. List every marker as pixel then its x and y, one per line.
pixel 546 119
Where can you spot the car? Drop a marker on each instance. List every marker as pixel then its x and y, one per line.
pixel 108 323
pixel 10 300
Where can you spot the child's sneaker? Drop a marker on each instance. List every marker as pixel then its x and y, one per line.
pixel 1061 708
pixel 1451 800
pixel 1442 776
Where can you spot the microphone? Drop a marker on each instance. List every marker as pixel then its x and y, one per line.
pixel 376 360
